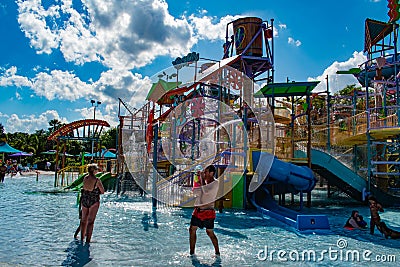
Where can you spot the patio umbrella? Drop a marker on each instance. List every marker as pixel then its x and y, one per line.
pixel 20 154
pixel 51 152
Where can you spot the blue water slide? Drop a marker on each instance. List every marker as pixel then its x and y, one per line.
pixel 343 177
pixel 299 178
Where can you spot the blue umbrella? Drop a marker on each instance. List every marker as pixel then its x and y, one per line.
pixel 21 154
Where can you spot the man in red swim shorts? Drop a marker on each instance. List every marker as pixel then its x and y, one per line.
pixel 204 212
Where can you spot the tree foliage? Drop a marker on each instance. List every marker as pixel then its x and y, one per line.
pixel 37 142
pixel 109 138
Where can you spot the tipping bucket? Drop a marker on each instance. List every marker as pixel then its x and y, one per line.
pixel 244 30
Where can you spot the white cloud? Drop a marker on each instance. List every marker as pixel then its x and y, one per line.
pixel 294 42
pixel 114 84
pixel 63 85
pixel 282 26
pixel 29 123
pixel 119 33
pixel 206 28
pixel 59 85
pixel 32 18
pixel 339 81
pixel 10 78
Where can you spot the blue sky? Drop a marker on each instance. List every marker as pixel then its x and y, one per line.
pixel 57 55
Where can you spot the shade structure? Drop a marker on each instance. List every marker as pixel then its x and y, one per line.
pixel 6 148
pixel 53 152
pixel 102 154
pixel 286 89
pixel 21 154
pixel 50 152
pixel 109 154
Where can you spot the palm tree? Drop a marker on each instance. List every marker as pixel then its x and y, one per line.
pixel 55 125
pixel 3 135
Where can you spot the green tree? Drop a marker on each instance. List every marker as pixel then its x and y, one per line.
pixel 109 138
pixel 55 125
pixel 3 136
pixel 43 143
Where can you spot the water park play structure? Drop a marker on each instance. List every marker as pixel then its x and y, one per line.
pixel 266 139
pixel 360 143
pixel 202 112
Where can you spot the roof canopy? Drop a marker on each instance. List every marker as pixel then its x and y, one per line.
pixel 6 148
pixel 21 154
pixel 158 89
pixel 168 97
pixel 286 89
pixel 375 31
pixel 103 154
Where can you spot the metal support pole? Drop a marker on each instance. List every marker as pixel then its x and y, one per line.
pixel 368 125
pixel 308 143
pixel 328 114
pixel 95 104
pixel 246 151
pixel 154 182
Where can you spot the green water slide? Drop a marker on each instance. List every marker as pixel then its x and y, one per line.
pixel 344 178
pixel 108 181
pixel 77 182
pixel 105 178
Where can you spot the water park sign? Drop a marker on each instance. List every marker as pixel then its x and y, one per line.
pixel 186 60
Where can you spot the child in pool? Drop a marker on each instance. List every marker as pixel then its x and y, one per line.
pixel 356 221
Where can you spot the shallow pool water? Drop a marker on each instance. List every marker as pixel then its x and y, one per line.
pixel 38 223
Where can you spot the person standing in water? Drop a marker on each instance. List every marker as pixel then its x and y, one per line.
pixel 90 201
pixel 3 170
pixel 374 208
pixel 204 213
pixel 80 218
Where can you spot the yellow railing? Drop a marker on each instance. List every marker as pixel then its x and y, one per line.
pixel 107 165
pixel 69 174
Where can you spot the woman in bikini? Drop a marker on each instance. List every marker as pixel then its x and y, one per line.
pixel 90 201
